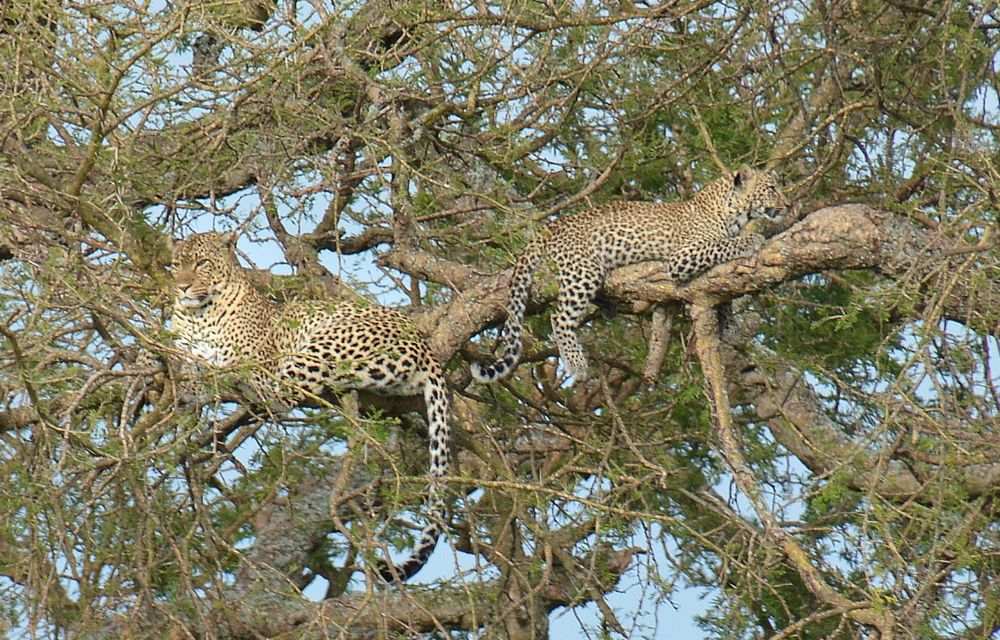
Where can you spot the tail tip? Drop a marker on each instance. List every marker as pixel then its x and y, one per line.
pixel 405 570
pixel 481 373
pixel 495 371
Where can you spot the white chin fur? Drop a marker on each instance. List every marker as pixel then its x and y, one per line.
pixel 192 303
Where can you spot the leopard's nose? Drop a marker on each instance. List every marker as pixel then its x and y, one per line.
pixel 184 290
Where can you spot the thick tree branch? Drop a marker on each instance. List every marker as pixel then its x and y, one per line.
pixel 272 608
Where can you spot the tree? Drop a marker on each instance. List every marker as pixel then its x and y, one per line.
pixel 810 435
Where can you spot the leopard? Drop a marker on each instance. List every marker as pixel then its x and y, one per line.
pixel 689 237
pixel 292 352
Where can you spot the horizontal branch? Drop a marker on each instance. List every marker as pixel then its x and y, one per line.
pixel 850 236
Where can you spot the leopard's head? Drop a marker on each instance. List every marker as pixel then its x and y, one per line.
pixel 751 194
pixel 204 265
pixel 757 193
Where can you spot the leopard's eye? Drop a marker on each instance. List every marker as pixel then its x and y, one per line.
pixel 204 262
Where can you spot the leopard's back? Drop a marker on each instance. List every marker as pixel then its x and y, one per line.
pixel 367 346
pixel 623 233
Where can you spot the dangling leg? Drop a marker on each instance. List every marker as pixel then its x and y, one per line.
pixel 579 281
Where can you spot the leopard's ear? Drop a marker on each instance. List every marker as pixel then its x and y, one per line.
pixel 231 238
pixel 742 176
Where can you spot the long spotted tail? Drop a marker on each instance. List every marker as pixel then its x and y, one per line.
pixel 520 287
pixel 439 434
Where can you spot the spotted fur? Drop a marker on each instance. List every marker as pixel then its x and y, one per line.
pixel 690 237
pixel 297 350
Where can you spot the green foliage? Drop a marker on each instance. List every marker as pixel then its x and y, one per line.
pixel 832 324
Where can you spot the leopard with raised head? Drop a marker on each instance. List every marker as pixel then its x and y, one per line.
pixel 297 350
pixel 689 237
